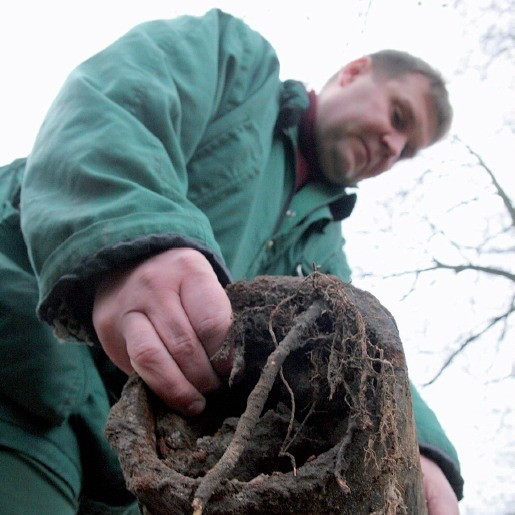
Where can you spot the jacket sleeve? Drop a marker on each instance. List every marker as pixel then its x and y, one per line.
pixel 433 442
pixel 107 182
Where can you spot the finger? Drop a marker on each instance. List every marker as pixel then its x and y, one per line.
pixel 111 340
pixel 441 501
pixel 440 497
pixel 116 351
pixel 174 329
pixel 437 506
pixel 210 314
pixel 153 363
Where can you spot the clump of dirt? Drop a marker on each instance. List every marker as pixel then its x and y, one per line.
pixel 316 417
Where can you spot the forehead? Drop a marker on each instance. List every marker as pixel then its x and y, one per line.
pixel 413 90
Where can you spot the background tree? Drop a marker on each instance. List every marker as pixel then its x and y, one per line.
pixel 439 251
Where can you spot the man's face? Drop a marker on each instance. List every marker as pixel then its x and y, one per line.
pixel 365 123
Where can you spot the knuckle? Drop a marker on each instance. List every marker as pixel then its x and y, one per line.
pixel 144 353
pixel 214 326
pixel 147 278
pixel 103 324
pixel 184 348
pixel 193 261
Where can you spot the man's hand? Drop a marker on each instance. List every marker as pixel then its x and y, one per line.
pixel 165 319
pixel 440 497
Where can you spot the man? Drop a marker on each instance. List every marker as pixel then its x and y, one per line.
pixel 169 164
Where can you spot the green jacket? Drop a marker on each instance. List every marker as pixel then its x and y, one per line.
pixel 179 134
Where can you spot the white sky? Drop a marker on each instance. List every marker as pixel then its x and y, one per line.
pixel 41 41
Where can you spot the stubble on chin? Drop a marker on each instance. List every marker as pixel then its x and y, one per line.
pixel 335 169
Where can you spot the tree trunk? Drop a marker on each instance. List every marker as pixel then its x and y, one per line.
pixel 316 418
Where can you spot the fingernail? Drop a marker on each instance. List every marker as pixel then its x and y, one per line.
pixel 196 407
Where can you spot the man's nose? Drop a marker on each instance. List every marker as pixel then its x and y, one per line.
pixel 394 143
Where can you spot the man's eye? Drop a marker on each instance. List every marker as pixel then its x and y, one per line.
pixel 398 119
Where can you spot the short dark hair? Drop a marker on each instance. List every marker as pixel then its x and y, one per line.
pixel 395 63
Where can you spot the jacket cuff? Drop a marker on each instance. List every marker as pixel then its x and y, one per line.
pixel 448 467
pixel 69 305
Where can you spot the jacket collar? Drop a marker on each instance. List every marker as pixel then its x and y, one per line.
pixel 295 103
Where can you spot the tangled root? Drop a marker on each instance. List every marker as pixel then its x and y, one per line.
pixel 317 417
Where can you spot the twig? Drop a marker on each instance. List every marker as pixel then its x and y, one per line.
pixel 286 446
pixel 476 268
pixel 493 322
pixel 499 189
pixel 255 402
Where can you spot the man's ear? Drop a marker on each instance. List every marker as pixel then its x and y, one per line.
pixel 351 70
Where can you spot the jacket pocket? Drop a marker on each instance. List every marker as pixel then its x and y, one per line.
pixel 318 247
pixel 233 157
pixel 323 251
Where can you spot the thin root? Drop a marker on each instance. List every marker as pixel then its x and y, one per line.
pixel 255 403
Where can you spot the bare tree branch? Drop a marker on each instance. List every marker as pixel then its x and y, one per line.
pixel 493 322
pixel 500 191
pixel 455 268
pixel 470 266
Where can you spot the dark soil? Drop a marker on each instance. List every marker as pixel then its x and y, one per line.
pixel 316 417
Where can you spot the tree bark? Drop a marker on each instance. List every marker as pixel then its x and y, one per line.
pixel 317 417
